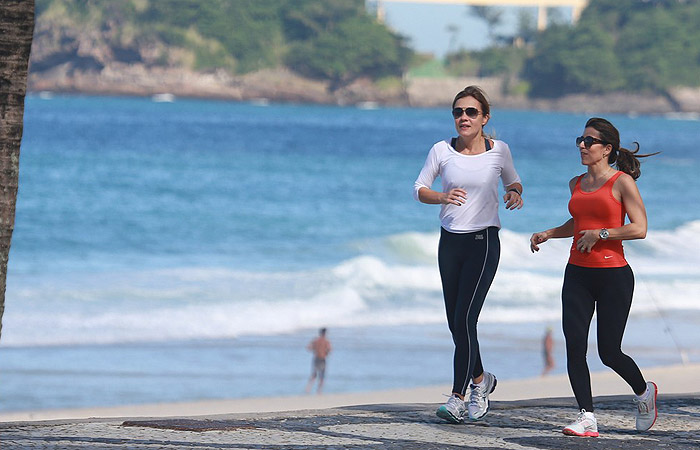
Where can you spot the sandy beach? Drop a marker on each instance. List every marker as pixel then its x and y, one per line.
pixel 679 379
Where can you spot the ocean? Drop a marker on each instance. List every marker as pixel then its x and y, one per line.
pixel 188 250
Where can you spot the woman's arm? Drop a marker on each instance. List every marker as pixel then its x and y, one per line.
pixel 636 212
pixel 562 231
pixel 514 196
pixel 421 188
pixel 454 196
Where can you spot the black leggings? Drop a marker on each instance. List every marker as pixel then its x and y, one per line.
pixel 609 291
pixel 468 263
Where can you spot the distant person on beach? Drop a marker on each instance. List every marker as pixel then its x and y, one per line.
pixel 470 167
pixel 547 351
pixel 597 276
pixel 320 347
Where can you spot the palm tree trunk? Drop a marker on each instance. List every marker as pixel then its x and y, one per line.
pixel 16 30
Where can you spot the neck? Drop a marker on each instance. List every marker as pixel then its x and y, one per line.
pixel 469 143
pixel 597 171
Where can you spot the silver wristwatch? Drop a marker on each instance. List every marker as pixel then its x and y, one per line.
pixel 604 233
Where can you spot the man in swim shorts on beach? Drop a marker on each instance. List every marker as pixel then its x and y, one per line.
pixel 320 347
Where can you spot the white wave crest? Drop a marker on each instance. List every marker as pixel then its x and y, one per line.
pixel 204 303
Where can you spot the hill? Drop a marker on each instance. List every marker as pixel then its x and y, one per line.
pixel 296 50
pixel 622 55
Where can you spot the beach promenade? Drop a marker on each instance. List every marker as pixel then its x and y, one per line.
pixel 533 423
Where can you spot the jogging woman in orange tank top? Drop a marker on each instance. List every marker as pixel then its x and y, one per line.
pixel 597 276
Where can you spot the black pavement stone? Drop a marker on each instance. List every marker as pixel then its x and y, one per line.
pixel 527 424
pixel 424 414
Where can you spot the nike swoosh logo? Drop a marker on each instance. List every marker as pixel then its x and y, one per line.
pixel 607 257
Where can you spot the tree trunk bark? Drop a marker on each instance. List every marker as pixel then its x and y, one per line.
pixel 16 30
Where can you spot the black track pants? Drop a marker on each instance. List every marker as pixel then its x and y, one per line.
pixel 609 291
pixel 468 263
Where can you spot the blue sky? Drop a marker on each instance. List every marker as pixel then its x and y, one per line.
pixel 426 25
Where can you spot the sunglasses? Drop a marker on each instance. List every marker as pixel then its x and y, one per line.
pixel 471 112
pixel 588 141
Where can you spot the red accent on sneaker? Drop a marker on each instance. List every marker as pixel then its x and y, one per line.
pixel 570 432
pixel 656 410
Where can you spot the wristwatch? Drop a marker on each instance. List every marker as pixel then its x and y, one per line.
pixel 604 233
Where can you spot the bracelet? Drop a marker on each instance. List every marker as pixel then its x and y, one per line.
pixel 514 190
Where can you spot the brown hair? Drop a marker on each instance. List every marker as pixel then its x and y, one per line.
pixel 624 159
pixel 478 94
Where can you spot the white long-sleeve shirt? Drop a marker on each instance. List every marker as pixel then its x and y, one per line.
pixel 478 175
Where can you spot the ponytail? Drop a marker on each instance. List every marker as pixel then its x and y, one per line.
pixel 625 160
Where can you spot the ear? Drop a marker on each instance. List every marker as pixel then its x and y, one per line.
pixel 486 120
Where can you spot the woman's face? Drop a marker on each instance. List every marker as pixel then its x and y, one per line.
pixel 596 151
pixel 469 127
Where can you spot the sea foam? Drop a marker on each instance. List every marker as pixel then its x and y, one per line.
pixel 398 284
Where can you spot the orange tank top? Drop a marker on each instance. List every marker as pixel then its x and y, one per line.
pixel 592 210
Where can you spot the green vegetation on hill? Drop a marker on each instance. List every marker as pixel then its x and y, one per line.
pixel 622 44
pixel 617 45
pixel 328 39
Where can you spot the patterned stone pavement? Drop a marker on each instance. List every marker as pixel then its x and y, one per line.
pixel 519 425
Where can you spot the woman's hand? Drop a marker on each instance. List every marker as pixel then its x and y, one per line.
pixel 454 196
pixel 513 200
pixel 587 240
pixel 536 239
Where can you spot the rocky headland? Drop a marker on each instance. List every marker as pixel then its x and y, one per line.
pixel 65 60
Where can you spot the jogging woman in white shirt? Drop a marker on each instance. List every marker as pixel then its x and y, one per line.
pixel 469 166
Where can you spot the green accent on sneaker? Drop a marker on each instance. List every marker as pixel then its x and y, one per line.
pixel 443 413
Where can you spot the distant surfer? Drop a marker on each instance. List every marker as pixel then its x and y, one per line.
pixel 597 277
pixel 320 347
pixel 470 167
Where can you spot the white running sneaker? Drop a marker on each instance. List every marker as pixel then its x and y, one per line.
pixel 479 397
pixel 646 407
pixel 585 425
pixel 452 411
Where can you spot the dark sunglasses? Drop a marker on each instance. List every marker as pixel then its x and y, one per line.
pixel 471 112
pixel 588 141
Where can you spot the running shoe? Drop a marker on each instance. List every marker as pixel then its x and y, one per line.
pixel 452 411
pixel 646 407
pixel 479 397
pixel 585 425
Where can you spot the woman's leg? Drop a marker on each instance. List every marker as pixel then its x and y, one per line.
pixel 578 305
pixel 489 272
pixel 468 264
pixel 614 302
pixel 450 260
